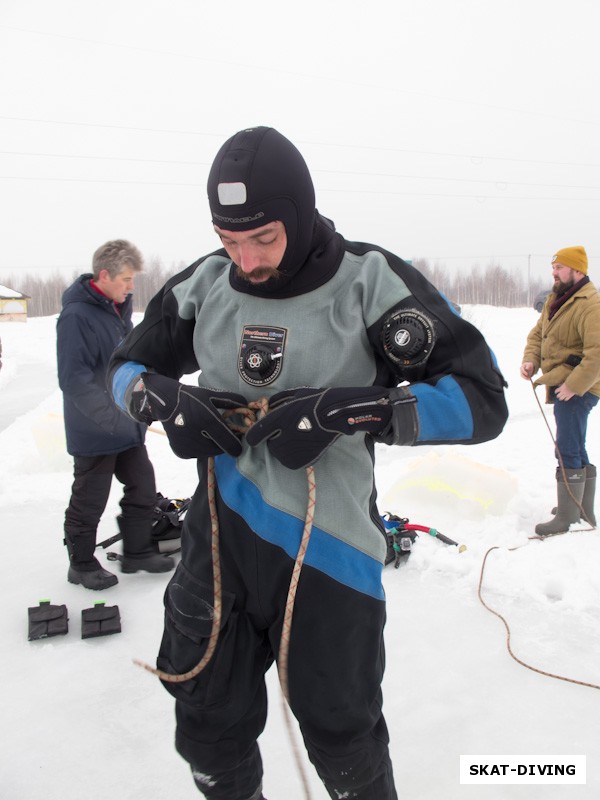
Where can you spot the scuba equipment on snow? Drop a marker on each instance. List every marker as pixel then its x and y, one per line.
pixel 401 536
pixel 168 516
pixel 47 620
pixel 399 539
pixel 168 520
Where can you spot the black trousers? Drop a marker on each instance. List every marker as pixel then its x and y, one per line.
pixel 90 492
pixel 336 665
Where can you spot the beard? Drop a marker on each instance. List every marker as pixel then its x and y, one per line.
pixel 258 275
pixel 561 288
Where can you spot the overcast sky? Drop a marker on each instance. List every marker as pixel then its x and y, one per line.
pixel 461 131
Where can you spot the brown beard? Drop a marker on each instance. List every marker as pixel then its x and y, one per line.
pixel 561 288
pixel 265 273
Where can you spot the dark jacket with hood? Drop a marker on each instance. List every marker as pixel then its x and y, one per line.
pixel 89 328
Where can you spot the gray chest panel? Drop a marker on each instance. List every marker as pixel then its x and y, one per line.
pixel 323 343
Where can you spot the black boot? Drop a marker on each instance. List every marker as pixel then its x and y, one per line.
pixel 84 568
pixel 96 579
pixel 569 498
pixel 139 552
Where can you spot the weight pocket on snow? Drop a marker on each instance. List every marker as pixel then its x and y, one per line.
pixel 47 620
pixel 100 620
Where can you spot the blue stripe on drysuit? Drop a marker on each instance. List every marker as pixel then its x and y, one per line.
pixel 126 373
pixel 444 412
pixel 335 558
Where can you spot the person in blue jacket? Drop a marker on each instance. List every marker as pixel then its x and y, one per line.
pixel 95 317
pixel 351 346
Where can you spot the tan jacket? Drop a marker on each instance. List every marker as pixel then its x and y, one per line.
pixel 573 331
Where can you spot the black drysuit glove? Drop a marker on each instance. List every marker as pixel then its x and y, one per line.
pixel 189 414
pixel 302 423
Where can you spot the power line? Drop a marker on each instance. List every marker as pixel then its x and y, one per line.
pixel 109 125
pixel 455 196
pixel 500 183
pixel 441 154
pixel 322 190
pixel 105 158
pixel 353 146
pixel 100 180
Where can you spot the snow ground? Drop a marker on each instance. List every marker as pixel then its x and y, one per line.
pixel 80 720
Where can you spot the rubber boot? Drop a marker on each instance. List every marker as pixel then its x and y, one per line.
pixel 84 567
pixel 139 552
pixel 569 498
pixel 589 494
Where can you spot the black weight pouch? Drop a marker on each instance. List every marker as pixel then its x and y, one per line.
pixel 47 620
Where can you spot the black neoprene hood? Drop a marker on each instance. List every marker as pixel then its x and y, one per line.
pixel 259 176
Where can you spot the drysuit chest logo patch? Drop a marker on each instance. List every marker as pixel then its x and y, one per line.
pixel 260 357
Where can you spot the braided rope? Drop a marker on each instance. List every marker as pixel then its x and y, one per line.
pixel 217 594
pixel 508 633
pixel 286 631
pixel 248 418
pixel 532 538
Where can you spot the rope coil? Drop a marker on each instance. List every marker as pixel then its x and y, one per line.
pixel 217 595
pixel 536 538
pixel 508 632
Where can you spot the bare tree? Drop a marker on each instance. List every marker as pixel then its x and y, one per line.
pixel 492 285
pixel 46 293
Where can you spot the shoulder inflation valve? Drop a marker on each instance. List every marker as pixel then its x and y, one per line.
pixel 408 337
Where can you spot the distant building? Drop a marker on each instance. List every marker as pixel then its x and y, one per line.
pixel 13 305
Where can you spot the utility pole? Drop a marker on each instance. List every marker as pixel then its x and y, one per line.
pixel 529 298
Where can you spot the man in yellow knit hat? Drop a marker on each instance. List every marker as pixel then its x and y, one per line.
pixel 565 344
